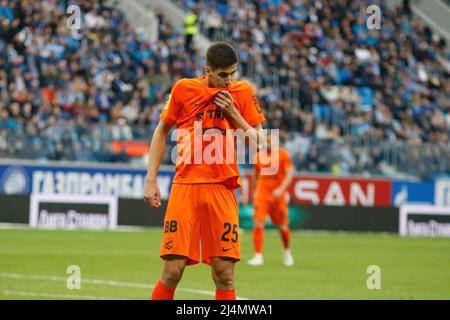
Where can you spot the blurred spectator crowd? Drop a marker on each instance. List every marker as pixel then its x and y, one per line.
pixel 66 94
pixel 347 99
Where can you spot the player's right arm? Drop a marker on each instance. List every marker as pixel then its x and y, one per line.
pixel 152 195
pixel 169 116
pixel 255 179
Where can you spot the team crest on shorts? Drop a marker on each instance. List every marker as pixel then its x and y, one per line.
pixel 168 244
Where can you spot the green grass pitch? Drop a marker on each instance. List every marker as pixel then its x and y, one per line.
pixel 124 265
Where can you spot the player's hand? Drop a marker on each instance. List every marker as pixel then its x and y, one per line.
pixel 152 196
pixel 277 193
pixel 225 102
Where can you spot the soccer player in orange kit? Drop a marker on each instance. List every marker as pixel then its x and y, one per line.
pixel 201 222
pixel 270 198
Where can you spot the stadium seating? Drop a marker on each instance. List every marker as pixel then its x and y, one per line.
pixel 348 100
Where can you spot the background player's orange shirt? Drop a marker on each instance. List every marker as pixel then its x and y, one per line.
pixel 191 102
pixel 268 183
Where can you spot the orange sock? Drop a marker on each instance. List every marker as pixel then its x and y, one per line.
pixel 285 235
pixel 161 292
pixel 258 238
pixel 226 294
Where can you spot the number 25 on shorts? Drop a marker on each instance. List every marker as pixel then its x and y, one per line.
pixel 228 229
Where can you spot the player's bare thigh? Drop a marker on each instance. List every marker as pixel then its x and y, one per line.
pixel 222 269
pixel 173 268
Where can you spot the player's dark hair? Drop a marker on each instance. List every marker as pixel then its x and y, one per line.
pixel 220 55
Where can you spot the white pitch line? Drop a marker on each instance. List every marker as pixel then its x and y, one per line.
pixel 105 282
pixel 56 295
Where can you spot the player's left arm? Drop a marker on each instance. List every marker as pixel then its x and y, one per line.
pixel 288 167
pixel 225 102
pixel 289 171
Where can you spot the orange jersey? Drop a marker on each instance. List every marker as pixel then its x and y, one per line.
pixel 191 107
pixel 268 183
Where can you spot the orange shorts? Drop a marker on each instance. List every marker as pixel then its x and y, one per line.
pixel 201 218
pixel 276 208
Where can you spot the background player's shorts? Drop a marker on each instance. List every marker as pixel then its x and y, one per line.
pixel 276 208
pixel 201 218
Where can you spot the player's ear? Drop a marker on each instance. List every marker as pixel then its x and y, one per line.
pixel 208 70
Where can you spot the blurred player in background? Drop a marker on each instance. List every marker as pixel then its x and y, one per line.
pixel 201 221
pixel 270 198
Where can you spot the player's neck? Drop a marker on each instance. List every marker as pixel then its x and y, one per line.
pixel 207 82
